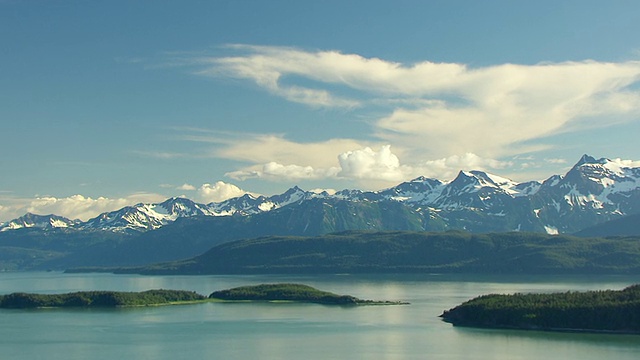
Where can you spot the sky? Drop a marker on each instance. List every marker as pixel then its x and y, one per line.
pixel 105 104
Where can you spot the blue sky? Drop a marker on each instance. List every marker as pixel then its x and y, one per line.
pixel 109 103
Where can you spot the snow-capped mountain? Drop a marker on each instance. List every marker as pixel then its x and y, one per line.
pixel 249 204
pixel 147 216
pixel 45 222
pixel 593 191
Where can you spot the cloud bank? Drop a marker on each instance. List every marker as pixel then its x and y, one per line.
pixel 72 207
pixel 85 207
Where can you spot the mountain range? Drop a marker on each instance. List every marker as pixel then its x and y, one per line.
pixel 593 191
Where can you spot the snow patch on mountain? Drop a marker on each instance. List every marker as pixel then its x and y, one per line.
pixel 45 222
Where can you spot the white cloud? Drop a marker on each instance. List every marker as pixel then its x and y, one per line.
pixel 447 168
pixel 439 118
pixel 268 71
pixel 84 207
pixel 556 161
pixel 627 163
pixel 440 109
pixel 263 149
pixel 186 187
pixel 371 168
pixel 276 171
pixel 369 164
pixel 219 191
pixel 72 207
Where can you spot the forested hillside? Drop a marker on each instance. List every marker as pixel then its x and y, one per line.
pixel 375 252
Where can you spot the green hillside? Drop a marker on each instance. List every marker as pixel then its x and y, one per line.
pixel 400 251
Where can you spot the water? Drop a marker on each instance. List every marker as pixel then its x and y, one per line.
pixel 293 331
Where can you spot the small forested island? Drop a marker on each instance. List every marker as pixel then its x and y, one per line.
pixel 264 292
pixel 592 311
pixel 292 292
pixel 99 299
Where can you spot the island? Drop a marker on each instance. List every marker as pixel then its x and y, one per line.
pixel 99 299
pixel 607 311
pixel 105 299
pixel 294 293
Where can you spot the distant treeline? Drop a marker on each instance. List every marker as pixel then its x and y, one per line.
pixel 97 299
pixel 609 311
pixel 406 251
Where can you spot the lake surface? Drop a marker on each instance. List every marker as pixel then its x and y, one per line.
pixel 294 331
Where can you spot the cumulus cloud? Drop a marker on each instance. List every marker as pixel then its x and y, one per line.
pixel 369 164
pixel 371 168
pixel 219 191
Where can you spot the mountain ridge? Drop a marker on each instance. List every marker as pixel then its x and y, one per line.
pixel 592 191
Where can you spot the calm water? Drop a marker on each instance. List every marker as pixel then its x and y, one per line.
pixel 293 331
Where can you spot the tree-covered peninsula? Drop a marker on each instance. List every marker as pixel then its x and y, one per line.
pixel 291 292
pixel 98 299
pixel 593 311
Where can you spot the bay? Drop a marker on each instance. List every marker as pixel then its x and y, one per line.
pixel 294 331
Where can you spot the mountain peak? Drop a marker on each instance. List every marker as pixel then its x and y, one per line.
pixel 31 220
pixel 586 159
pixel 294 190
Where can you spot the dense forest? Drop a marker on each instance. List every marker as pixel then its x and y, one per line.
pixel 290 292
pixel 407 251
pixel 610 311
pixel 98 299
